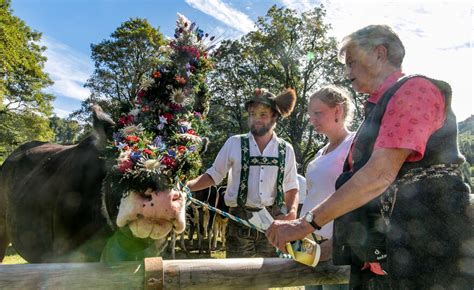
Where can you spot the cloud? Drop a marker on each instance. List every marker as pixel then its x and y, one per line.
pixel 300 5
pixel 61 113
pixel 437 37
pixel 68 69
pixel 224 13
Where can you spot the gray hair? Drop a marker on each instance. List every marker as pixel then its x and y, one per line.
pixel 333 95
pixel 371 36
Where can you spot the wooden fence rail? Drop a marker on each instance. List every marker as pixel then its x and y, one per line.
pixel 155 273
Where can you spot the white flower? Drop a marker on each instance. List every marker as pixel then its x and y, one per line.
pixel 178 96
pixel 134 112
pixel 124 155
pixel 130 130
pixel 152 164
pixel 182 20
pixel 146 83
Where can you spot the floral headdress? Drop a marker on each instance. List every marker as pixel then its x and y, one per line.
pixel 158 142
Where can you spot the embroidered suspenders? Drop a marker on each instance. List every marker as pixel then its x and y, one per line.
pixel 247 161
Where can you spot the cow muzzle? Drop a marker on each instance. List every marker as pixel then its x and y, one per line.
pixel 153 214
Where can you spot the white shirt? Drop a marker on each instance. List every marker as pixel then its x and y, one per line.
pixel 262 179
pixel 302 190
pixel 321 175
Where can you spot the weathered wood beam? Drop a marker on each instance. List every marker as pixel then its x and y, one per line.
pixel 154 273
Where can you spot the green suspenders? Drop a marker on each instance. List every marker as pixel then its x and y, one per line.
pixel 247 161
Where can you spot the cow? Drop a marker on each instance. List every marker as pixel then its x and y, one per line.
pixel 57 206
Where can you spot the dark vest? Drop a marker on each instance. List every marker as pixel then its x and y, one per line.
pixel 360 234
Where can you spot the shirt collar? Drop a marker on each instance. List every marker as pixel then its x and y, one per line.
pixel 251 137
pixel 389 81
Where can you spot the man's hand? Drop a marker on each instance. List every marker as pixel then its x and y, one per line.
pixel 286 217
pixel 281 232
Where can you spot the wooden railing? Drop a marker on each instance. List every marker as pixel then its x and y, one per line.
pixel 155 273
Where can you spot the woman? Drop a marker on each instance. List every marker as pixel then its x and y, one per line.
pixel 330 110
pixel 401 206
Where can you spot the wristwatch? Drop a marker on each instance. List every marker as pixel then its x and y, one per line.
pixel 309 218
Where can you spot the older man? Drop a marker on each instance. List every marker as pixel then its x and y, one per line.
pixel 401 207
pixel 262 173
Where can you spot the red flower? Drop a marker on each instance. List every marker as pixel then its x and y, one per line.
pixel 168 161
pixel 145 108
pixel 168 117
pixel 192 132
pixel 181 149
pixel 125 165
pixel 180 80
pixel 140 94
pixel 175 107
pixel 156 74
pixel 148 151
pixel 126 120
pixel 132 139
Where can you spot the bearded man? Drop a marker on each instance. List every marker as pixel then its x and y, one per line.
pixel 261 172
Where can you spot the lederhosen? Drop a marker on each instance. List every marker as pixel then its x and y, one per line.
pixel 240 234
pixel 416 227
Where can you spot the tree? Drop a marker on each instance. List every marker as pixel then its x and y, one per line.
pixel 21 67
pixel 121 64
pixel 24 108
pixel 286 50
pixel 16 129
pixel 66 131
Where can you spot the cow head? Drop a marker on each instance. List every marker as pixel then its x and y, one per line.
pixel 152 214
pixel 155 208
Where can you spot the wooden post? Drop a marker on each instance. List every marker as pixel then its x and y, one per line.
pixel 155 273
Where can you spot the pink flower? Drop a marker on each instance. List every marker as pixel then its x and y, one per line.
pixel 125 165
pixel 168 161
pixel 126 120
pixel 180 80
pixel 168 117
pixel 181 149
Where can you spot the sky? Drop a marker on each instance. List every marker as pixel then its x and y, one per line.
pixel 438 35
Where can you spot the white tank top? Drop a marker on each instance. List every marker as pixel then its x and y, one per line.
pixel 321 175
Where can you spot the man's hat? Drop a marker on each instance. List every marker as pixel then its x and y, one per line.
pixel 283 104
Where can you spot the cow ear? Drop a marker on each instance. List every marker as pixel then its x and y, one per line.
pixel 103 126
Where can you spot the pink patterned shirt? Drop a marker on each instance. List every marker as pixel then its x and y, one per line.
pixel 413 114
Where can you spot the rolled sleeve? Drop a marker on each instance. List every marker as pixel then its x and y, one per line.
pixel 290 180
pixel 222 163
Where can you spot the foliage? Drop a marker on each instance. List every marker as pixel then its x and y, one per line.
pixel 158 139
pixel 24 108
pixel 21 67
pixel 466 138
pixel 286 50
pixel 122 63
pixel 66 131
pixel 16 129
